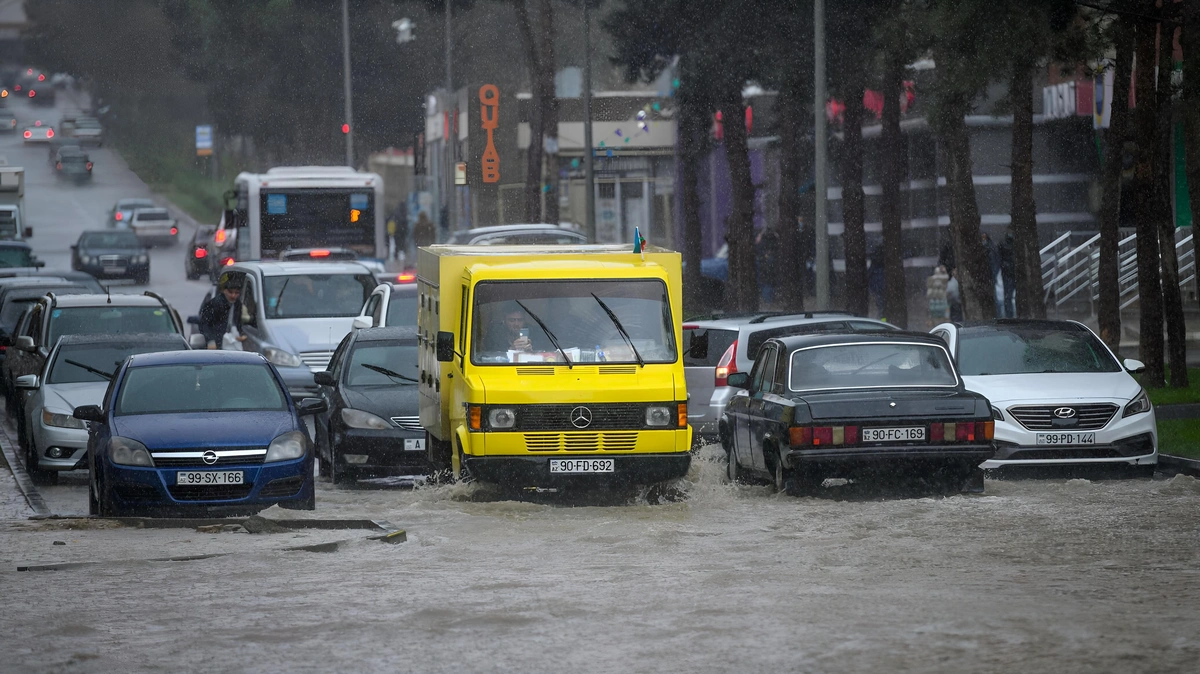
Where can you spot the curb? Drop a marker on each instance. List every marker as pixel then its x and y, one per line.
pixel 1180 464
pixel 24 483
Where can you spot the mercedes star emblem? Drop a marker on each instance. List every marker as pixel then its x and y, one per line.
pixel 210 457
pixel 1064 412
pixel 892 404
pixel 581 417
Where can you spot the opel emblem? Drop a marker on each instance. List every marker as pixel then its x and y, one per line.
pixel 1064 412
pixel 581 417
pixel 210 457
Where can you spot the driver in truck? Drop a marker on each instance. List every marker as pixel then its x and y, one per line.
pixel 511 333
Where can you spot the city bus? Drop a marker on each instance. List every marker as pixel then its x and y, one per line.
pixel 304 207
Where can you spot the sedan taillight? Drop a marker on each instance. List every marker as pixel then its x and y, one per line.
pixel 726 366
pixel 89 166
pixel 58 166
pixel 964 431
pixel 820 436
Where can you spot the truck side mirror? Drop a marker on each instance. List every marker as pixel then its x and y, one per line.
pixel 28 232
pixel 445 346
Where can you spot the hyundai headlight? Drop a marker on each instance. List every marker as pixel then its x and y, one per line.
pixel 282 358
pixel 658 416
pixel 1140 404
pixel 502 417
pixel 61 420
pixel 997 415
pixel 361 419
pixel 129 452
pixel 290 445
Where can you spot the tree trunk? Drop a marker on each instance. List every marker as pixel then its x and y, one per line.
pixel 974 272
pixel 790 282
pixel 854 237
pixel 1146 212
pixel 741 293
pixel 1109 305
pixel 1190 40
pixel 549 103
pixel 692 124
pixel 895 291
pixel 1163 169
pixel 1026 248
pixel 530 40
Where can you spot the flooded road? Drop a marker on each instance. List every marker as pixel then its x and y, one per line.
pixel 1035 575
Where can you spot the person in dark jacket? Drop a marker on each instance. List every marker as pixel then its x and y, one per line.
pixel 214 313
pixel 1008 275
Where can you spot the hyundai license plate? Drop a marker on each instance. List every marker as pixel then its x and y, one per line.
pixel 208 477
pixel 582 465
pixel 414 445
pixel 1066 438
pixel 893 434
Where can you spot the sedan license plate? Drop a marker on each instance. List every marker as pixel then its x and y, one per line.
pixel 582 465
pixel 208 477
pixel 1066 438
pixel 114 270
pixel 417 445
pixel 893 434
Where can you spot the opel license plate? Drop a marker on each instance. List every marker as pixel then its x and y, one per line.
pixel 582 465
pixel 208 477
pixel 414 445
pixel 893 434
pixel 1066 438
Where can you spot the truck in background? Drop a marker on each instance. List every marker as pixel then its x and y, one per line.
pixel 551 366
pixel 12 203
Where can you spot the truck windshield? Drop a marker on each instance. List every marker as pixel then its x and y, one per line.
pixel 15 257
pixel 505 333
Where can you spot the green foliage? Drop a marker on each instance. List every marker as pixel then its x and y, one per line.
pixel 1179 437
pixel 1174 396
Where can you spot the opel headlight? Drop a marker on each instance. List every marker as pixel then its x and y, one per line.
pixel 129 452
pixel 361 419
pixel 282 358
pixel 1139 405
pixel 288 446
pixel 61 420
pixel 502 417
pixel 658 416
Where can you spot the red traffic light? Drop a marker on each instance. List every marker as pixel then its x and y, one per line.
pixel 345 128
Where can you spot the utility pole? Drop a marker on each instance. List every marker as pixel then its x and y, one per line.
pixel 448 132
pixel 821 249
pixel 346 83
pixel 588 166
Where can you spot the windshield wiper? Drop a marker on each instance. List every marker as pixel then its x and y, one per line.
pixel 89 368
pixel 389 373
pixel 279 296
pixel 553 339
pixel 620 329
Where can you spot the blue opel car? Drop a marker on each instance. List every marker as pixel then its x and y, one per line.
pixel 197 433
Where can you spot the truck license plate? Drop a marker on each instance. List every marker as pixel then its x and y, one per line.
pixel 414 445
pixel 1066 438
pixel 208 477
pixel 893 434
pixel 582 465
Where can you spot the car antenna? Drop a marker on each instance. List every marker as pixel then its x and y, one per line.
pixel 108 291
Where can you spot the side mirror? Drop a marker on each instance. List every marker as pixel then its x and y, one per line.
pixel 89 413
pixel 362 322
pixel 324 378
pixel 1134 366
pixel 445 346
pixel 193 320
pixel 39 263
pixel 27 381
pixel 25 343
pixel 739 380
pixel 309 406
pixel 197 341
pixel 28 232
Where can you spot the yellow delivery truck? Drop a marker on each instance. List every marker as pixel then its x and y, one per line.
pixel 547 366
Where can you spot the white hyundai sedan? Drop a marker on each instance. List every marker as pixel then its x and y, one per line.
pixel 1058 394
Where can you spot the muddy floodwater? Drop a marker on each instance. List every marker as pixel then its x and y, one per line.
pixel 1047 575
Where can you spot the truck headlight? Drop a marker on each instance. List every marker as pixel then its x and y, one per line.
pixel 361 419
pixel 658 416
pixel 61 420
pixel 282 358
pixel 1140 404
pixel 288 446
pixel 502 418
pixel 129 452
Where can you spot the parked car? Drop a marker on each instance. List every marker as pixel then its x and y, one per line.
pixel 111 254
pixel 18 255
pixel 1059 395
pixel 390 304
pixel 121 212
pixel 77 372
pixel 517 235
pixel 857 406
pixel 716 347
pixel 372 426
pixel 38 133
pixel 88 131
pixel 71 162
pixel 154 226
pixel 195 433
pixel 296 313
pixel 15 300
pixel 196 257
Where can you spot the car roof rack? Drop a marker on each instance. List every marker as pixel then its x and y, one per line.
pixel 760 318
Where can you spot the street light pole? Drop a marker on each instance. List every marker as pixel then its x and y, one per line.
pixel 588 166
pixel 821 249
pixel 447 132
pixel 346 83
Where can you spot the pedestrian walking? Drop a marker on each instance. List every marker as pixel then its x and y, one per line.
pixel 424 233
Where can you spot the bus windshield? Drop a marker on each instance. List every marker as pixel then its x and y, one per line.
pixel 304 218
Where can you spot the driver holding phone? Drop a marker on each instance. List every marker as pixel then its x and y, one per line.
pixel 512 335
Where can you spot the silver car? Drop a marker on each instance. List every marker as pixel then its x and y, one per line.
pixel 77 373
pixel 717 347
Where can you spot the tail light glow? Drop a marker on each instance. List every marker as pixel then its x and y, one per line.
pixel 59 166
pixel 174 231
pixel 405 278
pixel 119 216
pixel 219 237
pixel 49 133
pixel 726 366
pixel 41 77
pixel 200 253
pixel 318 253
pixel 28 134
pixel 226 262
pixel 89 166
pixel 32 93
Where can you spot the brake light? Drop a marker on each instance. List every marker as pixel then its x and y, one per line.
pixel 59 166
pixel 967 431
pixel 13 123
pixel 219 237
pixel 964 432
pixel 318 253
pixel 28 134
pixel 49 133
pixel 3 93
pixel 32 93
pixel 226 262
pixel 726 366
pixel 37 123
pixel 201 253
pixel 41 77
pixel 405 278
pixel 16 87
pixel 174 231
pixel 119 216
pixel 89 166
pixel 819 436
